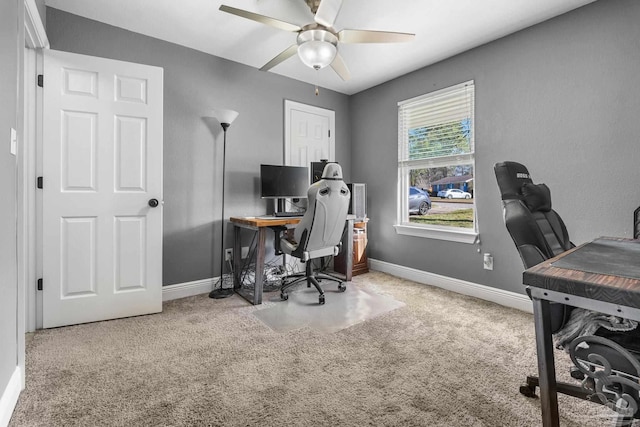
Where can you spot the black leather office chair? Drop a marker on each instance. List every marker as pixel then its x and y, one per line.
pixel 608 364
pixel 319 232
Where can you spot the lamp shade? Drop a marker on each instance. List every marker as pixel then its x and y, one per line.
pixel 317 53
pixel 224 116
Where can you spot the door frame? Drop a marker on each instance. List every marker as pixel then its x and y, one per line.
pixel 28 201
pixel 35 39
pixel 330 114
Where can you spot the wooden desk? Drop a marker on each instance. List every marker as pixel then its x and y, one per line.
pixel 260 226
pixel 583 285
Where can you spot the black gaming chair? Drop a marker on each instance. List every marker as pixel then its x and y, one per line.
pixel 539 234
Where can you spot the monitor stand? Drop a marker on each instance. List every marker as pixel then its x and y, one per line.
pixel 279 205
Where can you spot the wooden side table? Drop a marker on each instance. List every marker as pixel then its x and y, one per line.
pixel 359 257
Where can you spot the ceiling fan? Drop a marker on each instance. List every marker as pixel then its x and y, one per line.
pixel 317 43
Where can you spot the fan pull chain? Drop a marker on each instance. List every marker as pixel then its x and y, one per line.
pixel 317 90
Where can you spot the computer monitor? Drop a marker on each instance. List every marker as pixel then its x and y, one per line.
pixel 280 182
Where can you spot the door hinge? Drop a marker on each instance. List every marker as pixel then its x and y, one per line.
pixel 39 182
pixel 40 80
pixel 329 132
pixel 39 284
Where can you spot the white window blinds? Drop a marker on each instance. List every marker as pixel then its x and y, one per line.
pixel 437 128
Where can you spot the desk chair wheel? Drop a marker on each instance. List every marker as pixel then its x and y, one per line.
pixel 321 299
pixel 529 389
pixel 342 287
pixel 284 296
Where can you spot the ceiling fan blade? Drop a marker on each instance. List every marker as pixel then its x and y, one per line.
pixel 366 36
pixel 340 68
pixel 284 55
pixel 282 25
pixel 328 12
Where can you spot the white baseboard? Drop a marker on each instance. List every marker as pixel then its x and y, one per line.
pixel 9 398
pixel 499 296
pixel 188 289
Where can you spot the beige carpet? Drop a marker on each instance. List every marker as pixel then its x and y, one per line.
pixel 442 359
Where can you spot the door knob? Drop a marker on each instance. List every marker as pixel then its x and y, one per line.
pixel 153 203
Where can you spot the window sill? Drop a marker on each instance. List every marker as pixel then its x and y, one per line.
pixel 440 233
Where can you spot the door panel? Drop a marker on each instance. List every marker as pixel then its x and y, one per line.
pixel 78 257
pixel 102 162
pixel 130 248
pixel 130 157
pixel 79 135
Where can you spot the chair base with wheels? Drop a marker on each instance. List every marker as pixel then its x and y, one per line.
pixel 312 278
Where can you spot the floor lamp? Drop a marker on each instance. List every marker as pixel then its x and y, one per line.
pixel 225 118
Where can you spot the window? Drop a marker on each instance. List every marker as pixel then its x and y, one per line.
pixel 436 165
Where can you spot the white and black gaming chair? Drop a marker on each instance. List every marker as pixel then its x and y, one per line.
pixel 539 234
pixel 319 232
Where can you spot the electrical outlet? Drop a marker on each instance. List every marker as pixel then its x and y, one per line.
pixel 488 262
pixel 244 252
pixel 228 254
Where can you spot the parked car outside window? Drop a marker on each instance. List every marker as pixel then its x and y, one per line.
pixel 455 193
pixel 419 201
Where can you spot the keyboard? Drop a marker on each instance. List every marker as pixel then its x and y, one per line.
pixel 287 214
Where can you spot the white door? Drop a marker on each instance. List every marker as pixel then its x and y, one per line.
pixel 102 164
pixel 309 134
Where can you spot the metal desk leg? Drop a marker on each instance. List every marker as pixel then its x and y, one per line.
pixel 237 248
pixel 349 251
pixel 257 290
pixel 253 296
pixel 546 366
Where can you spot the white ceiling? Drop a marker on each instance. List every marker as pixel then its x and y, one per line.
pixel 443 28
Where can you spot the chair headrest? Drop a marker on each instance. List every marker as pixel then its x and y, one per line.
pixel 515 182
pixel 511 177
pixel 332 171
pixel 537 197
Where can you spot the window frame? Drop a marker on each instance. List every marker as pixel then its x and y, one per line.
pixel 403 226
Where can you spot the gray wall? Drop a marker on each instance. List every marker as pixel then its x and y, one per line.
pixel 561 97
pixel 195 82
pixel 11 53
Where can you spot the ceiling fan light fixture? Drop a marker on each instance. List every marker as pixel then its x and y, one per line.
pixel 317 48
pixel 317 54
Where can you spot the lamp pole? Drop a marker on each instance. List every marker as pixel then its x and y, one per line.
pixel 225 117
